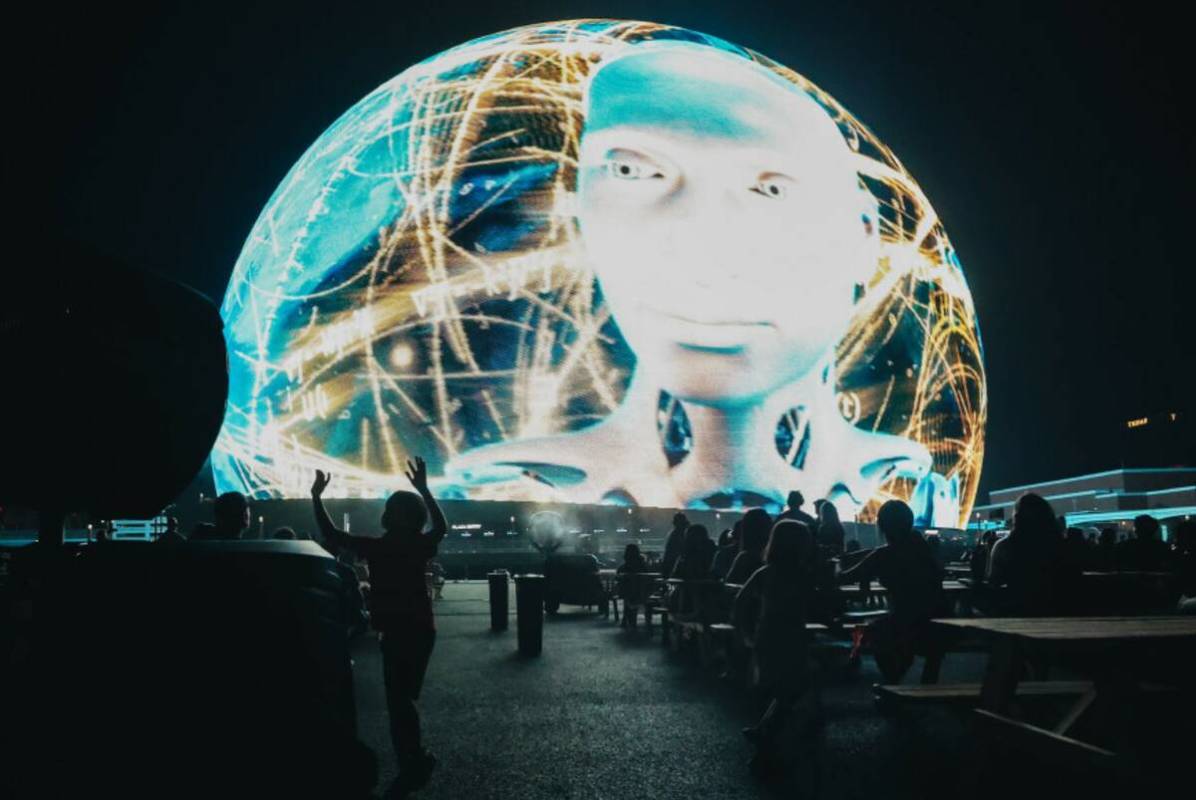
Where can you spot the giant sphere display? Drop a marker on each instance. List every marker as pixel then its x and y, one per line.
pixel 605 262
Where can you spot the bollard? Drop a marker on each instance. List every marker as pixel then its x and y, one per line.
pixel 498 600
pixel 529 613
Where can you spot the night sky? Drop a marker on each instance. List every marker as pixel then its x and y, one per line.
pixel 1049 140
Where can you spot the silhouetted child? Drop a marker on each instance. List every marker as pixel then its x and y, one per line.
pixel 400 607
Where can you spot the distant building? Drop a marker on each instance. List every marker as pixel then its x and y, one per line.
pixel 1114 497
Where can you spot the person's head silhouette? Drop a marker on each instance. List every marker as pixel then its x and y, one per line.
pixel 231 514
pixel 1034 517
pixel 680 521
pixel 896 522
pixel 756 524
pixel 1146 528
pixel 285 534
pixel 404 514
pixel 795 500
pixel 790 545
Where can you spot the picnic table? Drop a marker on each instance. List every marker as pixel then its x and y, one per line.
pixel 1106 649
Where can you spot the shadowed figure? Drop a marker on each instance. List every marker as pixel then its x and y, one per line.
pixel 1028 565
pixel 231 515
pixel 631 586
pixel 771 612
pixel 1145 552
pixel 400 607
pixel 756 524
pixel 906 567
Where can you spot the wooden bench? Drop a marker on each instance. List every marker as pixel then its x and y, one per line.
pixel 968 694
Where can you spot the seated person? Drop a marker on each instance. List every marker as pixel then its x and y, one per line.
pixel 728 549
pixel 1145 552
pixel 1027 566
pixel 756 525
pixel 693 565
pixel 907 569
pixel 231 515
pixel 631 587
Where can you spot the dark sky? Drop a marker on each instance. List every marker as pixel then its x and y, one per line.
pixel 1047 135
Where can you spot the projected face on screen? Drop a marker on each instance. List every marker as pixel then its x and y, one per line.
pixel 605 262
pixel 722 215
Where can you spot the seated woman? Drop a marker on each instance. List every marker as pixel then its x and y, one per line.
pixel 693 565
pixel 631 587
pixel 1026 569
pixel 771 613
pixel 756 524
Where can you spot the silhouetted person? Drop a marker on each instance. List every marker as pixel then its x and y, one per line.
pixel 1145 552
pixel 693 565
pixel 400 608
pixel 793 510
pixel 830 534
pixel 771 612
pixel 1027 565
pixel 674 544
pixel 728 548
pixel 1105 557
pixel 697 556
pixel 906 568
pixel 756 526
pixel 978 558
pixel 1076 554
pixel 1183 561
pixel 231 516
pixel 630 585
pixel 285 534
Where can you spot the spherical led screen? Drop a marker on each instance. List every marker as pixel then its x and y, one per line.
pixel 605 262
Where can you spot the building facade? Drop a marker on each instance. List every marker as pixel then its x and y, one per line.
pixel 1102 498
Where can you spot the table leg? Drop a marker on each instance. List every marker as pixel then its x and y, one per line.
pixel 1001 676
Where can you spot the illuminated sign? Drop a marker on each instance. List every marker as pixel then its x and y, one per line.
pixel 1138 423
pixel 605 262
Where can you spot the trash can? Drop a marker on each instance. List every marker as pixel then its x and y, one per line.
pixel 498 600
pixel 529 613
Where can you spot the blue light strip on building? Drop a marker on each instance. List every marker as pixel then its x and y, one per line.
pixel 1117 516
pixel 1093 475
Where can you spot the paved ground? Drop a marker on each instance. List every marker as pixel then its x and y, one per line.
pixel 605 713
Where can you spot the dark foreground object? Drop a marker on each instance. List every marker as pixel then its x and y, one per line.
pixel 498 600
pixel 529 608
pixel 217 668
pixel 105 362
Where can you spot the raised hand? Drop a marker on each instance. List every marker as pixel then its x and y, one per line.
pixel 320 483
pixel 417 473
